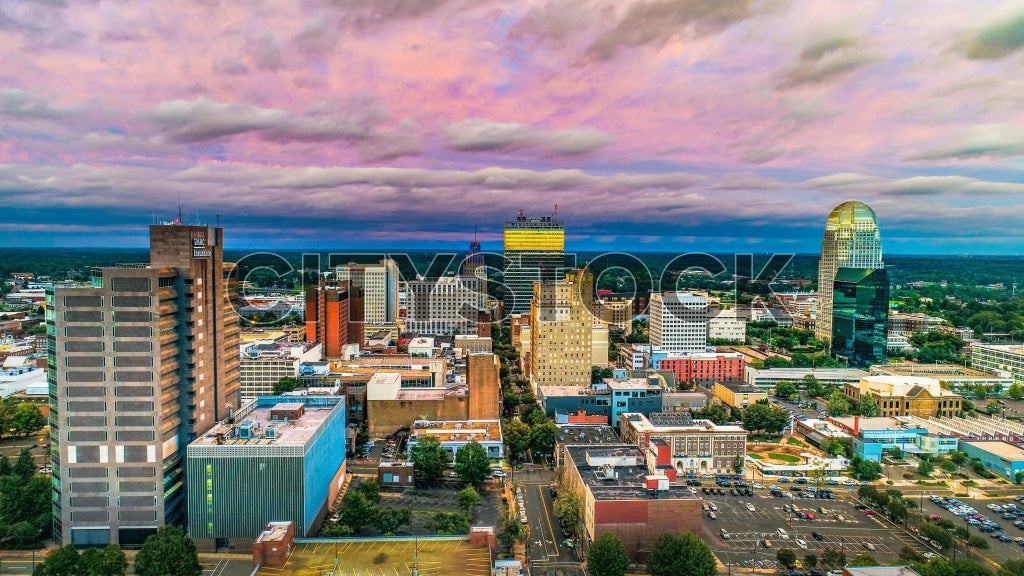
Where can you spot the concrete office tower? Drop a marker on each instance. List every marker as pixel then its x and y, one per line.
pixel 445 305
pixel 140 364
pixel 334 317
pixel 851 241
pixel 679 321
pixel 534 252
pixel 561 351
pixel 380 289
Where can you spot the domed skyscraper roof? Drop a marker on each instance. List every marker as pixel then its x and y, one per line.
pixel 851 240
pixel 853 213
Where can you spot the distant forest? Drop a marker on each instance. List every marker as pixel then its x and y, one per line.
pixel 966 271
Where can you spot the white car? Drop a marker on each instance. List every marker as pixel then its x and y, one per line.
pixel 929 555
pixel 801 543
pixel 783 534
pixel 756 485
pixel 750 507
pixel 713 506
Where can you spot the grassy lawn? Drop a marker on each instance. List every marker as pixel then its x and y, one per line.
pixel 784 457
pixel 795 442
pixel 754 456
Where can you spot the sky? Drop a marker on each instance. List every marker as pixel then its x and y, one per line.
pixel 657 125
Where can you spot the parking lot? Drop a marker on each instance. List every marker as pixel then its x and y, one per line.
pixel 998 551
pixel 841 527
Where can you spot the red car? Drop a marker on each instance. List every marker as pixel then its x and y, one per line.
pixel 810 516
pixel 934 517
pixel 869 512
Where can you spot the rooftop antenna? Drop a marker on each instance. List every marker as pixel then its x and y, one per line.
pixel 554 215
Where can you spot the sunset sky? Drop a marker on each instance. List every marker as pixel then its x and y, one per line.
pixel 670 125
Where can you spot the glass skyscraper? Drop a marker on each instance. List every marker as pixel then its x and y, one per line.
pixel 860 315
pixel 851 241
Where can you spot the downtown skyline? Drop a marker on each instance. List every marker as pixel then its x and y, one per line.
pixel 670 125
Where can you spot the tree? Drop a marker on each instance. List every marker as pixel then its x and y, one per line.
pixel 5 466
pixel 836 446
pixel 24 467
pixel 867 470
pixel 429 458
pixel 785 389
pixel 286 384
pixel 980 391
pixel 509 534
pixel 684 554
pixel 568 507
pixel 370 489
pixel 64 561
pixel 908 554
pixel 468 498
pixel 838 404
pixel 810 560
pixel 27 419
pixel 168 552
pixel 1012 568
pixel 543 438
pixel 472 464
pixel 607 556
pixel 925 468
pixel 977 542
pixel 833 557
pixel 896 453
pixel 764 417
pixel 936 533
pixel 718 414
pixel 786 557
pixel 517 438
pixel 812 387
pixel 863 559
pixel 356 510
pixel 958 457
pixel 107 561
pixel 448 523
pixel 533 414
pixel 389 519
pixel 1015 391
pixel 868 406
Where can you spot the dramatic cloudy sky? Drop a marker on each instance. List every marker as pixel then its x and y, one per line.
pixel 654 125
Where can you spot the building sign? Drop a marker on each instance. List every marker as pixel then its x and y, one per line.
pixel 199 248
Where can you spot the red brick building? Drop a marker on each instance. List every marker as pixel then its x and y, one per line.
pixel 704 367
pixel 334 317
pixel 624 493
pixel 273 545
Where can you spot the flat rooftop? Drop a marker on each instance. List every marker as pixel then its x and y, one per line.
pixel 255 415
pixel 454 430
pixel 629 481
pixel 569 434
pixel 1010 348
pixel 877 423
pixel 930 370
pixel 630 384
pixel 556 391
pixel 677 422
pixel 999 448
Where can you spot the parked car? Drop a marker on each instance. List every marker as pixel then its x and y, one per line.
pixel 869 546
pixel 801 543
pixel 711 515
pixel 817 536
pixel 750 507
pixel 766 543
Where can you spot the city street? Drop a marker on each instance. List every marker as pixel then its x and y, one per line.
pixel 545 542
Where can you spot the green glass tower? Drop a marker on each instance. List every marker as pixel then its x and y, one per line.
pixel 851 241
pixel 860 315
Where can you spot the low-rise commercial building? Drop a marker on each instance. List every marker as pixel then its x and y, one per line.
pixel 624 494
pixel 237 469
pixel 738 394
pixel 472 344
pixel 701 366
pixel 601 402
pixel 874 436
pixel 767 378
pixel 953 376
pixel 694 446
pixel 391 407
pixel 906 395
pixel 818 431
pixel 729 325
pixel 999 457
pixel 455 434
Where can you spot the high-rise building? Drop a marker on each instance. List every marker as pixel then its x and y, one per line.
pixel 140 364
pixel 334 317
pixel 534 252
pixel 561 352
pixel 851 241
pixel 679 321
pixel 860 310
pixel 445 305
pixel 380 289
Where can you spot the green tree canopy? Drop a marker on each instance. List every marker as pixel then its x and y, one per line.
pixel 869 406
pixel 672 555
pixel 472 464
pixel 863 559
pixel 517 436
pixel 607 556
pixel 718 414
pixel 833 557
pixel 1015 391
pixel 27 419
pixel 468 498
pixel 107 561
pixel 356 510
pixel 543 437
pixel 370 489
pixel 429 459
pixel 568 507
pixel 64 561
pixel 838 404
pixel 785 389
pixel 286 384
pixel 388 520
pixel 786 557
pixel 168 552
pixel 770 419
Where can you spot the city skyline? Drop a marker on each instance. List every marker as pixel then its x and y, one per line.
pixel 669 125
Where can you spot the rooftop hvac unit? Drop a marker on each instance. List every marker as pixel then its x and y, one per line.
pixel 245 431
pixel 270 433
